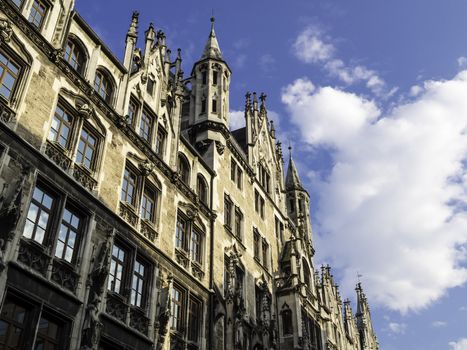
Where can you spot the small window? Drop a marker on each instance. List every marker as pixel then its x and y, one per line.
pixel 138 284
pixel 117 268
pixel 145 126
pixel 194 320
pixel 75 56
pixel 69 235
pixel 148 204
pixel 128 193
pixel 133 109
pixel 214 105
pixel 238 223
pixel 184 169
pixel 60 130
pixel 39 213
pixel 38 13
pixel 203 105
pixel 9 75
pixel 228 206
pixel 202 189
pixel 151 86
pixel 196 238
pixel 236 174
pixel 259 204
pixel 181 232
pixel 177 314
pixel 103 86
pixel 265 254
pixel 287 322
pixel 256 244
pixel 204 76
pixel 160 141
pixel 214 77
pixel 87 149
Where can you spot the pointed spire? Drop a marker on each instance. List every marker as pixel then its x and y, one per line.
pixel 292 180
pixel 133 30
pixel 212 50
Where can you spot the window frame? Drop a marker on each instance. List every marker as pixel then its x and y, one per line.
pixel 47 7
pixel 159 146
pixel 63 105
pixel 146 125
pixel 79 233
pixel 132 170
pixel 104 79
pixel 185 169
pixel 135 114
pixel 202 189
pixel 96 148
pixel 20 64
pixel 80 48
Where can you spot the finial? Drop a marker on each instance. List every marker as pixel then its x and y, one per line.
pixel 179 54
pixel 290 150
pixel 133 30
pixel 262 97
pixel 212 34
pixel 247 100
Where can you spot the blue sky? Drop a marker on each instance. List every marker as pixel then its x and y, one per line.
pixel 373 96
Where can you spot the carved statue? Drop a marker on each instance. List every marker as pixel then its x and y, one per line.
pixel 91 326
pixel 5 31
pixel 146 167
pixel 85 110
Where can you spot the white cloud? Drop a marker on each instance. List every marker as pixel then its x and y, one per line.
pixel 393 205
pixel 236 119
pixel 439 324
pixel 397 328
pixel 462 62
pixel 311 47
pixel 240 60
pixel 461 344
pixel 267 63
pixel 415 90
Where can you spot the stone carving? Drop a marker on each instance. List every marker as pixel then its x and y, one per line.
pixel 57 55
pixel 96 280
pixel 220 147
pixel 5 31
pixel 146 167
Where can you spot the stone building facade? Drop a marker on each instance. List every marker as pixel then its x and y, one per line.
pixel 131 217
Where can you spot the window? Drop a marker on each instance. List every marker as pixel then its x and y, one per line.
pixel 204 76
pixel 238 223
pixel 160 141
pixel 259 204
pixel 9 74
pixel 214 105
pixel 150 87
pixel 39 213
pixel 145 126
pixel 184 169
pixel 87 149
pixel 236 174
pixel 148 204
pixel 117 266
pixel 287 322
pixel 265 254
pixel 214 77
pixel 133 109
pixel 203 105
pixel 176 321
pixel 194 320
pixel 18 3
pixel 138 284
pixel 44 209
pixel 189 238
pixel 264 178
pixel 75 56
pixel 48 334
pixel 22 322
pixel 129 187
pixel 256 244
pixel 60 130
pixel 279 228
pixel 181 232
pixel 196 246
pixel 103 85
pixel 258 302
pixel 202 189
pixel 38 13
pixel 69 233
pixel 228 212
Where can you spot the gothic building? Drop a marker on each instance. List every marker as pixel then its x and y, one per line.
pixel 131 217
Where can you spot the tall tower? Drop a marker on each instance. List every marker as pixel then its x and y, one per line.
pixel 209 100
pixel 298 201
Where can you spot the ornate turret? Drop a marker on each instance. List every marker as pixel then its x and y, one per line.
pixel 130 42
pixel 368 338
pixel 210 93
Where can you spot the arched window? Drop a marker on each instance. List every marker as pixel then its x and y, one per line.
pixel 202 189
pixel 103 85
pixel 184 169
pixel 75 55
